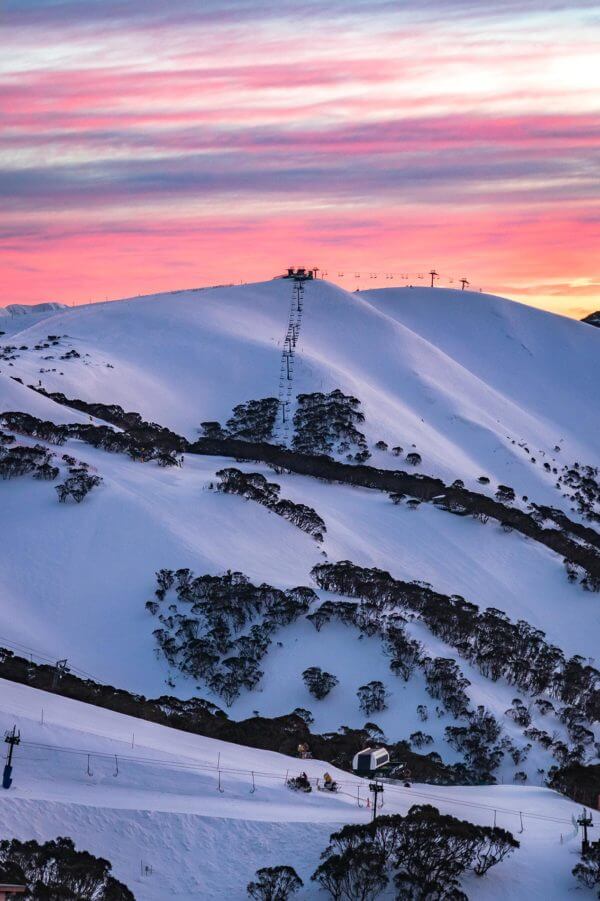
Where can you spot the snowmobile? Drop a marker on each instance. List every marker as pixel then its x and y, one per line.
pixel 299 783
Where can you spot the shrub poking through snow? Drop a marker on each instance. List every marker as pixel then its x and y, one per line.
pixel 505 494
pixel 77 486
pixel 274 884
pixel 56 869
pixel 318 682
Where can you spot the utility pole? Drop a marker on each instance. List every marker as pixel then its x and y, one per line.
pixel 586 821
pixel 377 789
pixel 12 739
pixel 59 670
pixel 464 282
pixel 433 275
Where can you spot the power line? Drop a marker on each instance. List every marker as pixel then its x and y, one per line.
pixel 39 655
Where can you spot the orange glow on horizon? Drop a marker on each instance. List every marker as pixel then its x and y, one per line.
pixel 157 149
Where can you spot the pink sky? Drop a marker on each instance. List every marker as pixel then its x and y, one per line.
pixel 158 146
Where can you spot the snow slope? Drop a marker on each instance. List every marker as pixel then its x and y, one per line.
pixel 478 384
pixel 459 375
pixel 157 804
pixel 79 577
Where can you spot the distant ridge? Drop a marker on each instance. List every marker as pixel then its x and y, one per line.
pixel 21 309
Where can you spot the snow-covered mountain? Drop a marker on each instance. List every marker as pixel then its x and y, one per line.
pixel 478 386
pixel 16 316
pixel 459 375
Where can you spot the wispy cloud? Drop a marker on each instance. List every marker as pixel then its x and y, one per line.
pixel 240 131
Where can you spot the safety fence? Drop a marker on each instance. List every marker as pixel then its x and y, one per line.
pixel 357 790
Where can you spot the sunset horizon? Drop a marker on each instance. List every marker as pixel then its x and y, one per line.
pixel 299 459
pixel 153 149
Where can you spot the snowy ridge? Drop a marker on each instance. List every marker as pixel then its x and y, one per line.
pixel 476 384
pixel 458 374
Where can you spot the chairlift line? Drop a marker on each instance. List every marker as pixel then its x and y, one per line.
pixel 354 785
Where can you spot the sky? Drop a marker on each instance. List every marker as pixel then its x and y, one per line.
pixel 156 146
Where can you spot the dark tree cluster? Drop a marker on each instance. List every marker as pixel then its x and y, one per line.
pixel 344 611
pixel 201 635
pixel 7 352
pixel 588 581
pixel 505 494
pixel 327 424
pixel 372 697
pixel 420 739
pixel 578 483
pixel 583 487
pixel 21 460
pixel 405 653
pixel 274 884
pixel 424 853
pixel 56 870
pixel 36 428
pixel 488 639
pixel 201 717
pixel 478 742
pixel 142 444
pixel 78 485
pixel 587 871
pixel 446 683
pixel 252 421
pixel 443 678
pixel 319 682
pixel 575 542
pixel 147 433
pixel 254 486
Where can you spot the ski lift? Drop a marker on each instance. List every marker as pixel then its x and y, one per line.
pixel 370 759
